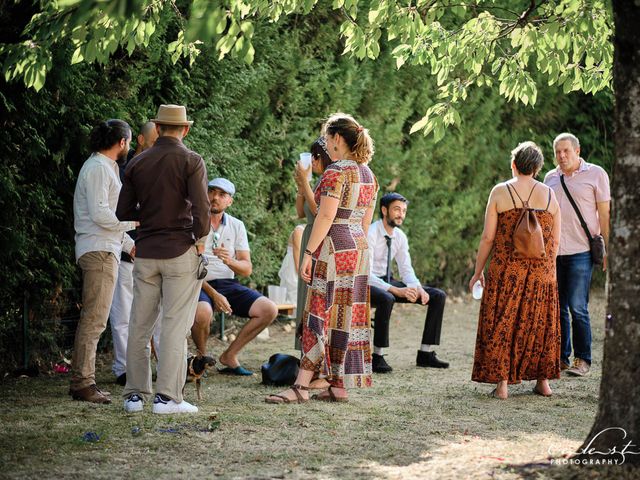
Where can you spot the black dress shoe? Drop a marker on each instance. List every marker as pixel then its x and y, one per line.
pixel 429 359
pixel 379 364
pixel 122 379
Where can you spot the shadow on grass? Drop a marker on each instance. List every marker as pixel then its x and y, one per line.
pixel 414 423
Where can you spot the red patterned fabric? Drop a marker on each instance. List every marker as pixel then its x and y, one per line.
pixel 336 331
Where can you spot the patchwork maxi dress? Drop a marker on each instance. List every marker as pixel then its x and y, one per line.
pixel 336 336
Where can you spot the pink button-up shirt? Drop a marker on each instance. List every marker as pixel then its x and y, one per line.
pixel 588 185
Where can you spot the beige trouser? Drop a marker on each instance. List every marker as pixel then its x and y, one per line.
pixel 99 273
pixel 172 281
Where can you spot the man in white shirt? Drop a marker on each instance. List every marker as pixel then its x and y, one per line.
pixel 99 242
pixel 227 250
pixel 123 294
pixel 387 243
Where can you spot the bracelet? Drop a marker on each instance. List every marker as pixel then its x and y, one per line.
pixel 308 252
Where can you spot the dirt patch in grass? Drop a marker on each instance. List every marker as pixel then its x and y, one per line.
pixel 414 423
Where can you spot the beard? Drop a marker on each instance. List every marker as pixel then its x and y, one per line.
pixel 216 211
pixel 122 155
pixel 392 223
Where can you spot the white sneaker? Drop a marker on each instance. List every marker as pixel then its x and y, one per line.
pixel 133 403
pixel 165 405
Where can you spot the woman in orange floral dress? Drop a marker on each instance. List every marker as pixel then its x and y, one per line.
pixel 336 334
pixel 519 325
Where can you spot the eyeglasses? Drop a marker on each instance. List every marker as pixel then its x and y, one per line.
pixel 202 267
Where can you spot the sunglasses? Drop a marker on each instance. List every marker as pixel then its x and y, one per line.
pixel 202 267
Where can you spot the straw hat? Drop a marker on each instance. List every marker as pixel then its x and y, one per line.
pixel 172 115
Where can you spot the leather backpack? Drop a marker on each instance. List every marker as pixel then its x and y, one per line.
pixel 528 241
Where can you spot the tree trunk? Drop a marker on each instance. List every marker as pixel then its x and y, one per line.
pixel 618 422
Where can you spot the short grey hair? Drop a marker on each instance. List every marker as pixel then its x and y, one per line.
pixel 527 158
pixel 566 136
pixel 147 128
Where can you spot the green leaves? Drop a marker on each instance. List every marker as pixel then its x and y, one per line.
pixel 437 119
pixel 489 45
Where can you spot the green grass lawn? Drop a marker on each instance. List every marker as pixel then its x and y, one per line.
pixel 414 423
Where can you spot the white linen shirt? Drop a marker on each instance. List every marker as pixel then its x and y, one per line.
pixel 233 235
pixel 94 206
pixel 399 253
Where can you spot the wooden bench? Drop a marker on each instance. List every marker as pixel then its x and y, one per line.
pixel 285 309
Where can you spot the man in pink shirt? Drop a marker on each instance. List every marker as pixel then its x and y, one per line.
pixel 588 185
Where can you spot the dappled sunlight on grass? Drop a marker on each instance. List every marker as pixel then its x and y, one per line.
pixel 471 456
pixel 413 423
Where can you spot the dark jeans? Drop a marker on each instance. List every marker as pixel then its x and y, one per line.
pixel 574 281
pixel 384 301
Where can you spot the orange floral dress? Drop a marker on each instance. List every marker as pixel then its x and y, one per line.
pixel 519 325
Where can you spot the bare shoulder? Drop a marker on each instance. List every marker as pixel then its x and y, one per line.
pixel 499 191
pixel 501 199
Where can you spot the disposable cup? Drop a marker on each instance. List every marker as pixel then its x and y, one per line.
pixel 305 160
pixel 477 290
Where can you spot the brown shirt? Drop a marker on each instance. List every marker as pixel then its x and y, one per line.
pixel 169 183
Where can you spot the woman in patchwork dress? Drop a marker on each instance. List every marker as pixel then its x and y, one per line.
pixel 336 342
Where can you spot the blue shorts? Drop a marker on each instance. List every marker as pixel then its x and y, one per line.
pixel 239 297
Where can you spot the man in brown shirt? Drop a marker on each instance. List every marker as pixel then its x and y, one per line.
pixel 165 189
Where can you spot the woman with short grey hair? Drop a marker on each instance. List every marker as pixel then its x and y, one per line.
pixel 519 325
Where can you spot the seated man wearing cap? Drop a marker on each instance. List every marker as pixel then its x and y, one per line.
pixel 386 243
pixel 227 250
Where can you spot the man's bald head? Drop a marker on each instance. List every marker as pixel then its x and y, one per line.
pixel 147 137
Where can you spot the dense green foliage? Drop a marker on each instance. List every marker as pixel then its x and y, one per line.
pixel 250 124
pixel 512 45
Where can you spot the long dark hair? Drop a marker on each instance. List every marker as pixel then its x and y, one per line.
pixel 319 152
pixel 106 134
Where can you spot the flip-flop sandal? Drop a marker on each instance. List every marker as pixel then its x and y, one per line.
pixel 282 399
pixel 330 397
pixel 538 392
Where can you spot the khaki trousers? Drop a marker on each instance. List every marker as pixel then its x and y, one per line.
pixel 99 273
pixel 173 282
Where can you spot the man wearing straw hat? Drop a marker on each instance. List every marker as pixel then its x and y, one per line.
pixel 165 189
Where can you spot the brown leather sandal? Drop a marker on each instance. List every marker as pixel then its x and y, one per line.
pixel 330 397
pixel 282 399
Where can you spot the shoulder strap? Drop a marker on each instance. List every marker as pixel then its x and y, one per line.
pixel 530 193
pixel 511 195
pixel 549 200
pixel 575 207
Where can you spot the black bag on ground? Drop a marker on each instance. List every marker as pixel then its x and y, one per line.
pixel 281 369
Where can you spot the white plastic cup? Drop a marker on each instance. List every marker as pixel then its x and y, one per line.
pixel 305 160
pixel 477 290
